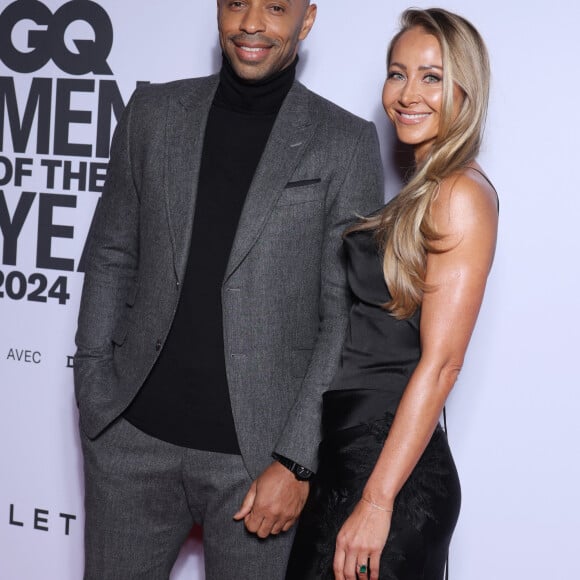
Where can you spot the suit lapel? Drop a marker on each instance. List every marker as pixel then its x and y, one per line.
pixel 185 129
pixel 290 135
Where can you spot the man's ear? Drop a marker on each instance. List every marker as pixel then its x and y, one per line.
pixel 308 22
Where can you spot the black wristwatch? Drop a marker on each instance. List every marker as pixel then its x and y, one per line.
pixel 300 473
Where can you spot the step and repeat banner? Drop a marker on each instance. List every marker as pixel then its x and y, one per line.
pixel 67 69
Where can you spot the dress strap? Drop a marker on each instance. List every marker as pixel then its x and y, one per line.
pixel 486 179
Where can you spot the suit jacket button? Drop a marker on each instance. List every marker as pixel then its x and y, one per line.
pixel 158 346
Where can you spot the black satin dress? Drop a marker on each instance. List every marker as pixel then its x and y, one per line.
pixel 379 356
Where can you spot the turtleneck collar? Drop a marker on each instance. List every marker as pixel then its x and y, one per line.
pixel 263 97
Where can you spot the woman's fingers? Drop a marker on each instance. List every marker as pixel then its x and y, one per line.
pixel 338 564
pixel 374 564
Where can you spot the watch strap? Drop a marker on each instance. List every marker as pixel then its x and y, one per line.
pixel 300 472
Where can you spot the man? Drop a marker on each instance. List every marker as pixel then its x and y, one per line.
pixel 215 305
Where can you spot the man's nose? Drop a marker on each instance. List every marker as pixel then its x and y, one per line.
pixel 253 20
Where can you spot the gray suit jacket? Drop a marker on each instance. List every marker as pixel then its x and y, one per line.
pixel 285 298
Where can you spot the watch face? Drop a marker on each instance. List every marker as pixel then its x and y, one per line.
pixel 302 472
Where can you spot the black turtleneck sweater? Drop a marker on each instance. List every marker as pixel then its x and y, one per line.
pixel 185 399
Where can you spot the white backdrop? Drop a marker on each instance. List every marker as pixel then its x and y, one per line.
pixel 513 414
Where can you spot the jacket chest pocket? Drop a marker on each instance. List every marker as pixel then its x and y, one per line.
pixel 303 191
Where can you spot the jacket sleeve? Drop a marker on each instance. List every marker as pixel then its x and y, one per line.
pixel 358 191
pixel 112 257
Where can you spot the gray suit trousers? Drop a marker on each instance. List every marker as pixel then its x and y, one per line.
pixel 142 498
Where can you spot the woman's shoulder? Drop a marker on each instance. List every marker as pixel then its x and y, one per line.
pixel 468 184
pixel 465 199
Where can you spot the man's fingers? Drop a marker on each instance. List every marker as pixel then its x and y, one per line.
pixel 283 525
pixel 264 524
pixel 273 503
pixel 253 522
pixel 265 528
pixel 247 504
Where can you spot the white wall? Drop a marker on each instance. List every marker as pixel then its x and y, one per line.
pixel 513 415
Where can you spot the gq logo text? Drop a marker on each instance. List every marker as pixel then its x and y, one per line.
pixel 46 34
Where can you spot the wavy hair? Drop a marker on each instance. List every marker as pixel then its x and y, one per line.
pixel 404 229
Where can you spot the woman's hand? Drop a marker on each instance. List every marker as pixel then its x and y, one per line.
pixel 361 540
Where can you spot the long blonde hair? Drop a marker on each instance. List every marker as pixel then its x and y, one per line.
pixel 404 229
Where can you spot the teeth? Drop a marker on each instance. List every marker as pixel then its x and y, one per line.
pixel 251 49
pixel 414 116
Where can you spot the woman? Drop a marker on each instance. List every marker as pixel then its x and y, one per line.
pixel 386 498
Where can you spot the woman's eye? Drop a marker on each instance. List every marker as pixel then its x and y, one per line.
pixel 395 75
pixel 432 78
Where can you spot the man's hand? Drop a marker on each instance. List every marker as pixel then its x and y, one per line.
pixel 273 502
